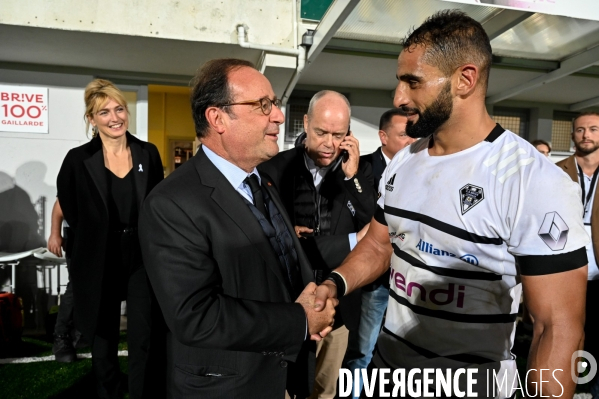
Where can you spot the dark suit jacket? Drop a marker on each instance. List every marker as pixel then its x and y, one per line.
pixel 328 252
pixel 378 164
pixel 569 166
pixel 234 326
pixel 82 193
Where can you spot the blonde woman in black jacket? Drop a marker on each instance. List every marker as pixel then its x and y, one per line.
pixel 101 187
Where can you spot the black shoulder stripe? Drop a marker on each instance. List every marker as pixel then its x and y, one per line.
pixel 463 357
pixel 444 227
pixel 539 265
pixel 452 316
pixel 442 271
pixel 495 133
pixel 379 215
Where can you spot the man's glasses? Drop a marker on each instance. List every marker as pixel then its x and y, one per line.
pixel 265 104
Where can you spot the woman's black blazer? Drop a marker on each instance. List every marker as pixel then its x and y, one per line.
pixel 82 193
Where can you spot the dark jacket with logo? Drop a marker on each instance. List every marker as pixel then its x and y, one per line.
pixel 351 204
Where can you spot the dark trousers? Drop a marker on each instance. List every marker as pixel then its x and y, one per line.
pixel 127 280
pixel 591 326
pixel 64 319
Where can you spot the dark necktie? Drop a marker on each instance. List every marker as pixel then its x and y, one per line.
pixel 254 184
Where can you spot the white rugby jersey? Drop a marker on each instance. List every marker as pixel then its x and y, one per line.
pixel 458 224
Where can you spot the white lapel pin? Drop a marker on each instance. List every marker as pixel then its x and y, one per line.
pixel 140 168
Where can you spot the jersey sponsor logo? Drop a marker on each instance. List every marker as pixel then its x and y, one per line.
pixel 401 236
pixel 470 196
pixel 429 248
pixel 554 231
pixel 389 185
pixel 469 258
pixel 439 296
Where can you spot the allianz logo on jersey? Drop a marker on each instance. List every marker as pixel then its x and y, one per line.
pixel 429 248
pixel 389 185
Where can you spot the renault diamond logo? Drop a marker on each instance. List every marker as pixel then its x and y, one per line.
pixel 554 231
pixel 470 196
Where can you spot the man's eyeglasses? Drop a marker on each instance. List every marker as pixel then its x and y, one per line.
pixel 265 104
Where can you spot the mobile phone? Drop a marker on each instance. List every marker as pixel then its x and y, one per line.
pixel 343 157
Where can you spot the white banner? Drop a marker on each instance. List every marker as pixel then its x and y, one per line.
pixel 583 9
pixel 544 6
pixel 23 109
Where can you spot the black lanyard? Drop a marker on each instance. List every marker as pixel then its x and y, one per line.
pixel 585 201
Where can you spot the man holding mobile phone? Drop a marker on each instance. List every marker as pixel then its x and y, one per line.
pixel 330 207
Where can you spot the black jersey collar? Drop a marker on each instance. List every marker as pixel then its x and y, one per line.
pixel 495 133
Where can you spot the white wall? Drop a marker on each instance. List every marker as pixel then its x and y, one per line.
pixel 269 22
pixel 365 127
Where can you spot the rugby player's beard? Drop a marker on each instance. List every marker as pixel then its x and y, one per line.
pixel 586 151
pixel 433 117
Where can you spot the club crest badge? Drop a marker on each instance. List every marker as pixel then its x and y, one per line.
pixel 470 196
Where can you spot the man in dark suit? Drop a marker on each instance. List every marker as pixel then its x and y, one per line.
pixel 375 296
pixel 221 254
pixel 330 205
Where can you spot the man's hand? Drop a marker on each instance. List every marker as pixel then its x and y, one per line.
pixel 55 244
pixel 299 230
pixel 352 146
pixel 324 293
pixel 319 321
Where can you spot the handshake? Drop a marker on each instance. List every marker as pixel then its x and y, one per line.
pixel 319 304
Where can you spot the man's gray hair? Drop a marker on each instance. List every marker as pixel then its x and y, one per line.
pixel 323 93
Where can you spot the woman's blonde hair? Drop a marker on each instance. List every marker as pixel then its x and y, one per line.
pixel 97 93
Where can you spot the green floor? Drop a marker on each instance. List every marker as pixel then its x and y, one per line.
pixel 40 380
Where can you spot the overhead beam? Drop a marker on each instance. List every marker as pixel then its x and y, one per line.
pixel 332 20
pixel 584 104
pixel 336 14
pixel 503 21
pixel 122 77
pixel 571 65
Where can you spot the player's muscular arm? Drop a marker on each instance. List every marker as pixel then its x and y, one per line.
pixel 557 305
pixel 369 259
